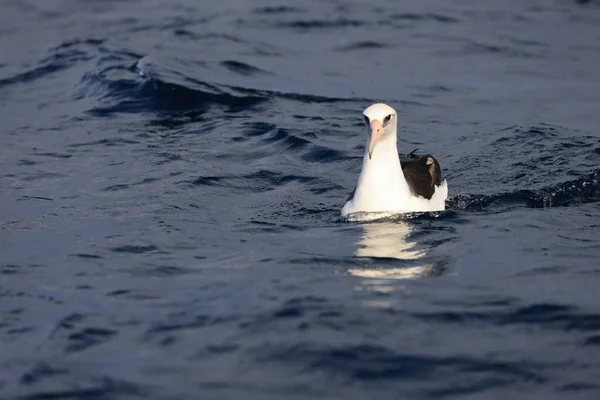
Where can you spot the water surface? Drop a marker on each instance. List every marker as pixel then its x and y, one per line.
pixel 172 173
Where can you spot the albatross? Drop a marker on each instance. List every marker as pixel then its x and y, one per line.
pixel 388 184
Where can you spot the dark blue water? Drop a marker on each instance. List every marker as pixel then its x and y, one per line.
pixel 171 176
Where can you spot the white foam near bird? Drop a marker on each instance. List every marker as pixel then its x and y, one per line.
pixel 388 185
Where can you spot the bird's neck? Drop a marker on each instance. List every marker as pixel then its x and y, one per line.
pixel 385 152
pixel 381 178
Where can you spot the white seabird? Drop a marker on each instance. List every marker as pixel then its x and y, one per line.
pixel 389 185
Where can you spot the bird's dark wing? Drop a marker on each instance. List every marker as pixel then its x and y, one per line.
pixel 422 174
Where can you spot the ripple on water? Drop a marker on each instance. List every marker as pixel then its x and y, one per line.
pixel 261 181
pixel 424 17
pixel 363 45
pixel 277 10
pixel 134 249
pixel 78 332
pixel 369 362
pixel 338 23
pixel 241 68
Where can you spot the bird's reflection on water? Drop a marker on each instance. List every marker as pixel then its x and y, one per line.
pixel 384 244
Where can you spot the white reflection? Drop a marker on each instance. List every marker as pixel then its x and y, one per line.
pixel 388 240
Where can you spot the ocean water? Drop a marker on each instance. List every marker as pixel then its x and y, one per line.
pixel 171 177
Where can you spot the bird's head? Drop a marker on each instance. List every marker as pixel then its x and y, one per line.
pixel 382 122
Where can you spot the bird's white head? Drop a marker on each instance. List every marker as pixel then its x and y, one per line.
pixel 382 121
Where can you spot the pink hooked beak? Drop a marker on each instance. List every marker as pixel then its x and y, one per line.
pixel 376 134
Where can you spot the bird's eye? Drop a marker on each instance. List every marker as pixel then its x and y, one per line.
pixel 387 119
pixel 366 119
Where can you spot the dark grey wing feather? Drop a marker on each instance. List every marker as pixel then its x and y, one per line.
pixel 422 174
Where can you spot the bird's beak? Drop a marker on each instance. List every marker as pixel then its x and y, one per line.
pixel 376 134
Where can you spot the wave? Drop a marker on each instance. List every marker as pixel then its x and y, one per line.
pixel 177 85
pixel 538 166
pixel 583 190
pixel 156 94
pixel 60 58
